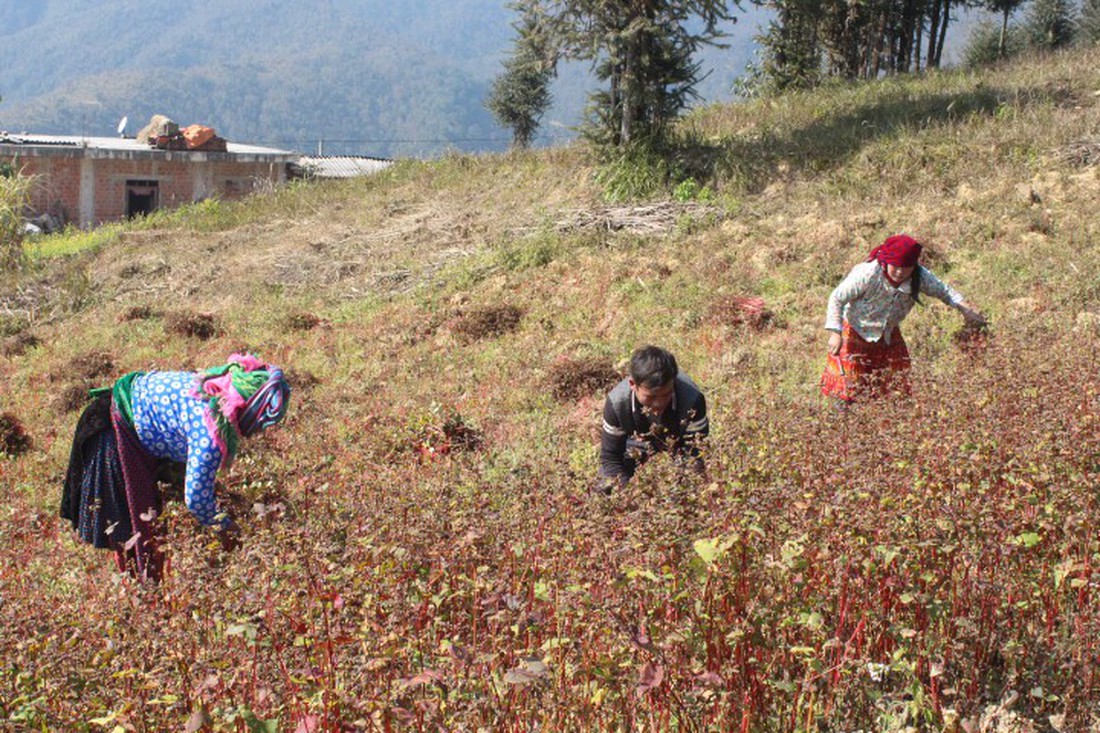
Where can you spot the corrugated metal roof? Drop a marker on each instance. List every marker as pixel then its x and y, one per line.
pixel 9 139
pixel 131 145
pixel 342 166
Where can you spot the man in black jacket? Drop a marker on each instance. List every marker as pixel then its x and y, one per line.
pixel 655 408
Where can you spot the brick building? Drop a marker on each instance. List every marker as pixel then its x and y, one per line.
pixel 91 180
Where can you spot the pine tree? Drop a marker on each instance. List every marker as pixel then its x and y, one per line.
pixel 521 94
pixel 791 50
pixel 642 50
pixel 1088 25
pixel 1050 24
pixel 852 39
pixel 1006 8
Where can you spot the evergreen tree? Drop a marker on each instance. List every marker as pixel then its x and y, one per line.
pixel 988 44
pixel 939 16
pixel 791 50
pixel 521 94
pixel 1088 25
pixel 852 39
pixel 642 50
pixel 1050 24
pixel 1006 8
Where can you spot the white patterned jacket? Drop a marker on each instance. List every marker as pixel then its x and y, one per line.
pixel 873 306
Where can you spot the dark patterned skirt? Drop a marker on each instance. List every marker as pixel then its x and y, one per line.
pixel 110 494
pixel 104 515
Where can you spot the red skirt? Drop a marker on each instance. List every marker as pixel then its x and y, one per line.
pixel 866 368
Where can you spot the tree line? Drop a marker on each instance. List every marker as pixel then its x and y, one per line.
pixel 642 51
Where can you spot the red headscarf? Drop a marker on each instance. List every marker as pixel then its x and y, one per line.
pixel 900 250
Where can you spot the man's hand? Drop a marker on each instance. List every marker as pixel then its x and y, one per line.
pixel 603 485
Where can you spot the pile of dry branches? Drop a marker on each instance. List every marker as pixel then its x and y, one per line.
pixel 656 218
pixel 1081 153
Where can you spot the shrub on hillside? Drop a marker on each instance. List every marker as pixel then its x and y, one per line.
pixel 487 322
pixel 637 172
pixel 14 439
pixel 736 310
pixel 13 326
pixel 442 432
pixel 983 45
pixel 139 313
pixel 14 198
pixel 302 321
pixel 15 336
pixel 202 326
pixel 572 378
pixel 18 344
pixel 72 398
pixel 92 365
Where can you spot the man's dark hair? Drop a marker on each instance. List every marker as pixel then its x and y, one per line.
pixel 652 366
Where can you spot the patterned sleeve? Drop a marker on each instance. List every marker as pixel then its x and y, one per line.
pixel 203 460
pixel 849 289
pixel 612 443
pixel 938 289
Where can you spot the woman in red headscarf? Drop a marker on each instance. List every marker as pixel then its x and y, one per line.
pixel 867 354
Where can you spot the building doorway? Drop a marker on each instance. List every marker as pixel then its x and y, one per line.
pixel 141 198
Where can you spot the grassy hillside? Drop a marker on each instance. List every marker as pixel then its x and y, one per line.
pixel 420 551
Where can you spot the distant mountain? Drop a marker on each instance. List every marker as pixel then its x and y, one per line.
pixel 373 77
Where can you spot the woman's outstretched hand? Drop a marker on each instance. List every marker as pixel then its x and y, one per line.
pixel 972 316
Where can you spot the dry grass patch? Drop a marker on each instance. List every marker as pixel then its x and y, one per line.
pixel 1081 153
pixel 72 398
pixel 301 380
pixel 737 310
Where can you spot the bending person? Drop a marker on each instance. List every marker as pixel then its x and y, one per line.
pixel 656 408
pixel 196 419
pixel 867 354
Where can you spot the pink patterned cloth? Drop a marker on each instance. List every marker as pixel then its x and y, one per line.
pixel 230 401
pixel 248 362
